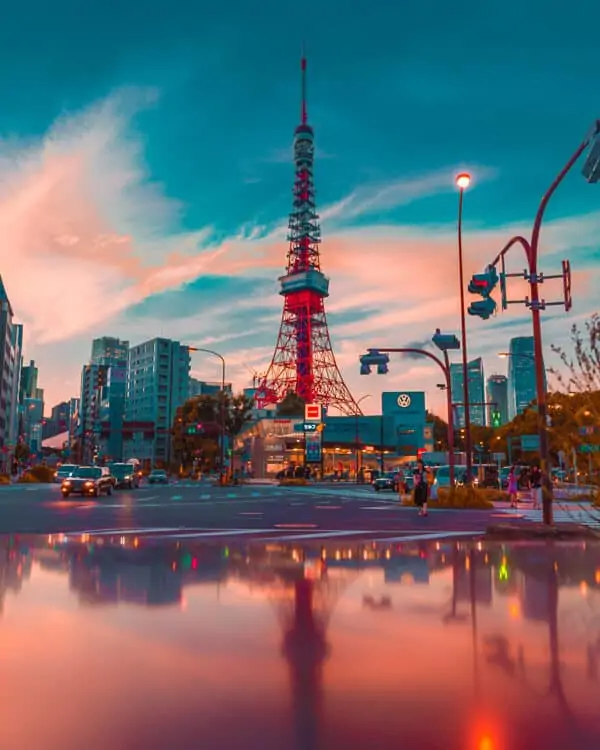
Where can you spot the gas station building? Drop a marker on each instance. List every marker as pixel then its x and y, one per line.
pixel 375 442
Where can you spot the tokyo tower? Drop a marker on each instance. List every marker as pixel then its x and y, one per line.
pixel 303 361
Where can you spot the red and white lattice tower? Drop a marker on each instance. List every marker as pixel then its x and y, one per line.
pixel 303 361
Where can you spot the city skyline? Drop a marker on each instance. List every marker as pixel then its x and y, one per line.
pixel 134 236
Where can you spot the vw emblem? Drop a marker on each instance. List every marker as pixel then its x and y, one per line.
pixel 404 400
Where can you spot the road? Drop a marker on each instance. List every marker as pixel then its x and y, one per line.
pixel 205 510
pixel 272 512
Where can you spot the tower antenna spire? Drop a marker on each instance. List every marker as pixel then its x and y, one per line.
pixel 303 74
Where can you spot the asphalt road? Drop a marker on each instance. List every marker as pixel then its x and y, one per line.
pixel 203 510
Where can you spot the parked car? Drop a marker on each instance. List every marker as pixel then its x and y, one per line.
pixel 88 480
pixel 125 476
pixel 158 476
pixel 387 481
pixel 63 472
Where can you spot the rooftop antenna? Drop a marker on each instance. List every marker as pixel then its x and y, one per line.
pixel 303 69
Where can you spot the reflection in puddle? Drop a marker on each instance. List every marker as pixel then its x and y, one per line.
pixel 292 645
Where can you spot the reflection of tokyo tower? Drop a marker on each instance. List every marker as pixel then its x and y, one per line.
pixel 306 649
pixel 303 361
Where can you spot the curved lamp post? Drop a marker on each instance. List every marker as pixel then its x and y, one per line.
pixel 463 181
pixel 222 405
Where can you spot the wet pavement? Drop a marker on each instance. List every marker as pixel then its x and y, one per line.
pixel 146 641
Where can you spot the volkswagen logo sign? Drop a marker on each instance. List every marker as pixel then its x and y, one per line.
pixel 403 401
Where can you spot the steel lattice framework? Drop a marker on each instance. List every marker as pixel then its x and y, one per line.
pixel 303 361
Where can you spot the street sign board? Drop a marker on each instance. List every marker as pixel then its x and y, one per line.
pixel 587 430
pixel 589 448
pixel 499 457
pixel 313 448
pixel 312 413
pixel 310 426
pixel 530 443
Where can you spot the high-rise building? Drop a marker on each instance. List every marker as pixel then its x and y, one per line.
pixel 15 400
pixel 29 381
pixel 477 410
pixel 108 350
pixel 522 389
pixel 157 384
pixel 10 354
pixel 497 395
pixel 93 382
pixel 102 400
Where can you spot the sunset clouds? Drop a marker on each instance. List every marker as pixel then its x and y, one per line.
pixel 90 244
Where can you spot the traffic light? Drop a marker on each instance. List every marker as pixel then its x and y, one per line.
pixel 483 284
pixel 445 341
pixel 483 308
pixel 496 419
pixel 374 358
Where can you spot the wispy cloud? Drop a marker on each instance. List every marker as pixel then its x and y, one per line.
pixel 368 199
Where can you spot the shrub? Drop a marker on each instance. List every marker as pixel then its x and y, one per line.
pixel 4 479
pixel 27 478
pixel 43 474
pixel 293 483
pixel 471 498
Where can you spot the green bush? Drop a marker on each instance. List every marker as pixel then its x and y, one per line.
pixel 293 483
pixel 42 474
pixel 472 498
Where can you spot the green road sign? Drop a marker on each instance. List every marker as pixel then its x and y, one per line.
pixel 586 448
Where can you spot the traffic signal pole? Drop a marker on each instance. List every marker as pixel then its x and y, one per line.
pixel 535 278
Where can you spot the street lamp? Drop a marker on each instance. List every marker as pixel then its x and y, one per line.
pixel 379 358
pixel 222 405
pixel 357 438
pixel 524 355
pixel 463 181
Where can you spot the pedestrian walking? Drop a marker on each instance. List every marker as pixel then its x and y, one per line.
pixel 421 488
pixel 535 484
pixel 513 487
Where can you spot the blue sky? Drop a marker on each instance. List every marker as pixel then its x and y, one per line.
pixel 146 170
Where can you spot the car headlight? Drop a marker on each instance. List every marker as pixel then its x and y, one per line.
pixel 89 484
pixel 66 482
pixel 127 479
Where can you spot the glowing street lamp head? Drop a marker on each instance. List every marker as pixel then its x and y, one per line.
pixel 463 180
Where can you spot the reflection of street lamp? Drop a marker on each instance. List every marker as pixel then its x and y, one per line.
pixel 362 398
pixel 222 410
pixel 463 181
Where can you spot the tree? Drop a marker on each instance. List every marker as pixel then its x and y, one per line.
pixel 291 406
pixel 440 431
pixel 197 427
pixel 583 366
pixel 22 452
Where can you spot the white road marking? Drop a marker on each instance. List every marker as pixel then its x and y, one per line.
pixel 429 535
pixel 203 534
pixel 177 497
pixel 205 497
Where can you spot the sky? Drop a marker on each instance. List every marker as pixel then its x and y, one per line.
pixel 146 173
